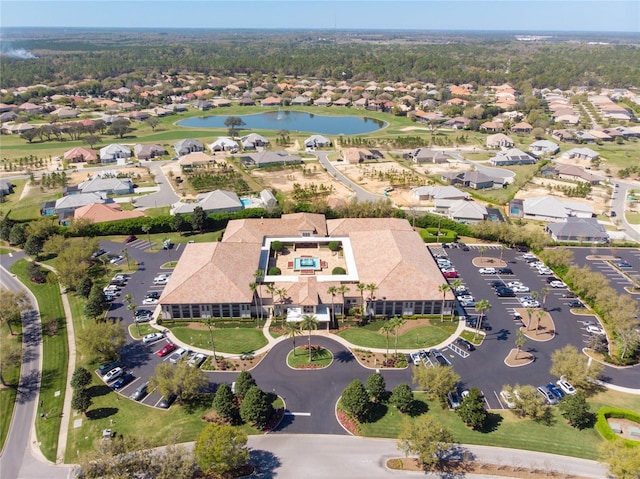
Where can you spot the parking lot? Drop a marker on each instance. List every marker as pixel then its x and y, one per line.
pixel 485 367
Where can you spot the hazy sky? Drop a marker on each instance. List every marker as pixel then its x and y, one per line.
pixel 510 15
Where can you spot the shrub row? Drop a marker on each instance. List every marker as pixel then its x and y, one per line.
pixel 602 426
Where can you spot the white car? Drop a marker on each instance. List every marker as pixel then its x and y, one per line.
pixel 112 375
pixel 512 284
pixel 565 386
pixel 160 281
pixel 531 303
pixel 178 355
pixel 115 259
pixel 196 360
pixel 415 357
pixel 520 289
pixel 487 271
pixel 152 338
pixel 147 301
pixel 557 284
pixel 593 329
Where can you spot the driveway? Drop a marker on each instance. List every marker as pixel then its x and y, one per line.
pixel 487 170
pixel 165 196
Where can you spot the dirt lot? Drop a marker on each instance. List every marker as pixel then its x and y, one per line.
pixel 283 180
pixel 84 173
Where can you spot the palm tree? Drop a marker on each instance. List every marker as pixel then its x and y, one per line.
pixel 257 274
pixel 332 290
pixel 125 253
pixel 529 314
pixel 342 289
pixel 371 287
pixel 520 341
pixel 147 229
pixel 310 323
pixel 128 298
pixel 544 292
pixel 271 289
pixel 397 323
pixel 361 287
pixel 282 295
pixel 386 329
pixel 209 323
pixel 444 288
pixel 253 286
pixel 291 330
pixel 482 249
pixel 539 315
pixel 482 307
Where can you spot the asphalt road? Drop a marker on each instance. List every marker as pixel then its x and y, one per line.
pixel 20 457
pixel 165 196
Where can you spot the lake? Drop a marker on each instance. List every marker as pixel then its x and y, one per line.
pixel 293 121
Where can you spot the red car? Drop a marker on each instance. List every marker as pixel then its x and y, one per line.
pixel 166 349
pixel 450 274
pixel 130 238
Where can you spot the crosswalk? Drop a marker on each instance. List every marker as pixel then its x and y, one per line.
pixel 140 244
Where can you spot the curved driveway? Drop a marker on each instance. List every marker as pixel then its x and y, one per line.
pixel 487 170
pixel 165 196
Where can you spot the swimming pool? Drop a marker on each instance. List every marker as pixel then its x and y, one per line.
pixel 306 263
pixel 246 202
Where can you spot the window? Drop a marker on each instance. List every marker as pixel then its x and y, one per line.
pixel 308 309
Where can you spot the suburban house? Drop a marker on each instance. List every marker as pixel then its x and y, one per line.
pixel 425 193
pixel 113 152
pixel 544 147
pixel 197 159
pixel 253 141
pixel 107 186
pixel 268 199
pixel 217 201
pixel 212 279
pixel 271 101
pixel 499 140
pixel 354 156
pixel 522 127
pixel 581 154
pixel 426 155
pixel 80 154
pixel 103 212
pixel 457 123
pixel 549 208
pixel 582 230
pixel 491 126
pixel 224 144
pixel 570 172
pixel 512 156
pixel 64 113
pixel 317 141
pixel 300 100
pixel 462 211
pixel 64 207
pixel 6 187
pixel 267 158
pixel 472 179
pixel 148 152
pixel 188 145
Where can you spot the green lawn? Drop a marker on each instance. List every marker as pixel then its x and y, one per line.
pixel 416 338
pixel 54 360
pixel 299 357
pixel 11 377
pixel 27 208
pixel 143 328
pixel 509 431
pixel 227 340
pixel 633 218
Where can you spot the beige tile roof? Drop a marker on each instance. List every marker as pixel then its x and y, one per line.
pixel 343 226
pixel 213 273
pixel 100 213
pixel 253 230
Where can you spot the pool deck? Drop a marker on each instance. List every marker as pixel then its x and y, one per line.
pixel 328 260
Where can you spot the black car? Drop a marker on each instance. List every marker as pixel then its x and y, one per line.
pixel 165 403
pixel 505 292
pixel 505 271
pixel 464 344
pixel 142 312
pixel 153 295
pixel 522 249
pixel 463 246
pixel 105 368
pixel 570 294
pixel 576 304
pixel 496 283
pixel 551 279
pixel 484 326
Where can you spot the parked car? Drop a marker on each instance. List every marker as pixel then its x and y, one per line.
pixel 123 380
pixel 166 349
pixel 565 386
pixel 149 301
pixel 511 284
pixel 505 292
pixel 521 289
pixel 555 390
pixel 576 304
pixel 593 329
pixel 178 355
pixel 624 264
pixel 196 360
pixel 153 295
pixel 140 392
pixel 551 279
pixel 507 398
pixel 415 358
pixel 557 284
pixel 505 271
pixel 487 271
pixel 442 361
pixel 130 239
pixel 98 253
pixel 464 344
pixel 485 326
pixel 496 283
pixel 108 297
pixel 160 281
pixel 116 259
pixel 569 294
pixel 454 399
pixel 522 249
pixel 450 274
pixel 113 374
pixel 165 403
pixel 548 397
pixel 463 246
pixel 152 337
pixel 105 368
pixel 142 318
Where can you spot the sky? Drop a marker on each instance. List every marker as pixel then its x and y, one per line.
pixel 505 15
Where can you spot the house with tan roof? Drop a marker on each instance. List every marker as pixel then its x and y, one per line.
pixel 499 140
pixel 103 212
pixel 353 156
pixel 212 279
pixel 80 154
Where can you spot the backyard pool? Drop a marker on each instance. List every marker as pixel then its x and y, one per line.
pixel 306 263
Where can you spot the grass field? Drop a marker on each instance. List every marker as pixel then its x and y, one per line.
pixel 27 208
pixel 143 328
pixel 507 431
pixel 54 360
pixel 299 357
pixel 418 337
pixel 227 340
pixel 632 218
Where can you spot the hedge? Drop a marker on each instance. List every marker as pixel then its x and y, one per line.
pixel 602 426
pixel 435 221
pixel 430 235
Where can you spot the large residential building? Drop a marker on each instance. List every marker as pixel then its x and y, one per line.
pixel 212 279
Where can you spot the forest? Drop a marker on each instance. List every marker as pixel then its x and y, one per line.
pixel 62 56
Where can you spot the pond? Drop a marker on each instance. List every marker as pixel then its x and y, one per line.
pixel 293 121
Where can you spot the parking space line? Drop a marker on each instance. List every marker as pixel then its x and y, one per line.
pixel 498 398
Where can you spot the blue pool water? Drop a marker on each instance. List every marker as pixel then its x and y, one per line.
pixel 306 263
pixel 293 121
pixel 245 202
